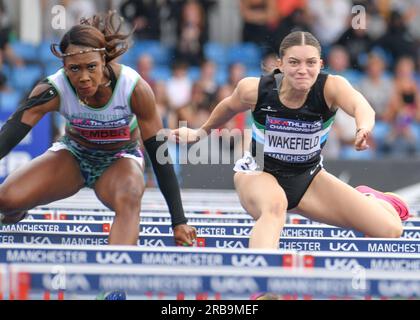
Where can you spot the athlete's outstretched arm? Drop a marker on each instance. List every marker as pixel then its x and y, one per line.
pixel 340 93
pixel 42 99
pixel 243 98
pixel 144 107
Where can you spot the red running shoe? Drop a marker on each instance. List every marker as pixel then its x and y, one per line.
pixel 399 205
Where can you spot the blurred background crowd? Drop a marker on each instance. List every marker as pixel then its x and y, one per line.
pixel 193 53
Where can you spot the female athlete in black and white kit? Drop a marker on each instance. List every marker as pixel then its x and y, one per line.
pixel 293 109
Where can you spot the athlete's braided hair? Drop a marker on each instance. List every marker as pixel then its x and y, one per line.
pixel 97 32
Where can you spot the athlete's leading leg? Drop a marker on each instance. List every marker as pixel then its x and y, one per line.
pixel 263 198
pixel 331 201
pixel 121 188
pixel 49 177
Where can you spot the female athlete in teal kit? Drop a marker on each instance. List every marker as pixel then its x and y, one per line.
pixel 108 107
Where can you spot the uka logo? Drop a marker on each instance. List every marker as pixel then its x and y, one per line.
pixel 342 233
pixel 113 258
pixel 229 244
pixel 233 284
pixel 153 243
pixel 75 228
pixel 150 230
pixel 342 246
pixel 341 264
pixel 36 240
pixel 241 231
pixel 248 261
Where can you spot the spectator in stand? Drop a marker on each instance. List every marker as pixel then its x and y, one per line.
pixel 397 40
pixel 329 18
pixel 176 7
pixel 6 50
pixel 179 88
pixel 145 16
pixel 199 105
pixel 291 16
pixel 191 33
pixel 375 85
pixel 356 42
pixel 403 109
pixel 410 10
pixel 339 62
pixel 256 15
pixel 236 71
pixel 207 80
pixel 145 66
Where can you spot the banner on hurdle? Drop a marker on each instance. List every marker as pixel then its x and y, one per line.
pixel 227 281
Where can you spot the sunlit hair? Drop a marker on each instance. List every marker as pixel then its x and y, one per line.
pixel 99 33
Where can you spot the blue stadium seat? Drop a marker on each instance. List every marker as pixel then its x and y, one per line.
pixel 325 51
pixel 415 127
pixel 353 76
pixel 417 78
pixel 44 52
pixel 216 52
pixel 9 101
pixel 194 73
pixel 52 67
pixel 128 60
pixel 7 70
pixel 161 54
pixel 380 131
pixel 221 75
pixel 254 72
pixel 246 53
pixel 24 78
pixel 161 73
pixel 385 55
pixel 25 51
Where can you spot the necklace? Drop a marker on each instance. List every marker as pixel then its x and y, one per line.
pixel 83 101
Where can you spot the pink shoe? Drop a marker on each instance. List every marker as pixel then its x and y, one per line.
pixel 399 205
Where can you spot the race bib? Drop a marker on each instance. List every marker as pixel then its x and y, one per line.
pixel 102 131
pixel 104 135
pixel 292 140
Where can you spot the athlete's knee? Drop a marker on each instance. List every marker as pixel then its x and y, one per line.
pixel 275 209
pixel 130 195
